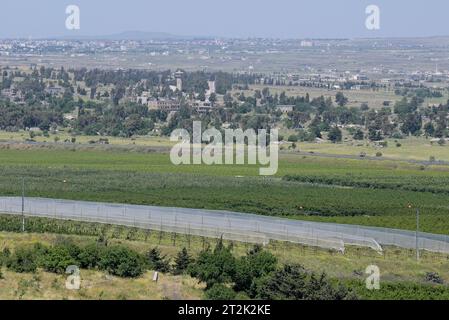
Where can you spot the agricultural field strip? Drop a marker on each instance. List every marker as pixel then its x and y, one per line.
pixel 241 226
pixel 366 157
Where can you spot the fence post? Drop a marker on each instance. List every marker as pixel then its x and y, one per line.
pixel 23 204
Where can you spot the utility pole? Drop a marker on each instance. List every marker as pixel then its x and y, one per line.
pixel 23 204
pixel 417 234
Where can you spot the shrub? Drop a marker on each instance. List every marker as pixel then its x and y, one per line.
pixel 58 259
pixel 335 135
pixel 358 135
pixel 4 256
pixel 293 282
pixel 220 292
pixel 89 256
pixel 122 262
pixel 433 277
pixel 23 260
pixel 397 135
pixel 379 154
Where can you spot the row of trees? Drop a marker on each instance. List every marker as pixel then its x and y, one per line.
pixel 254 275
pixel 257 275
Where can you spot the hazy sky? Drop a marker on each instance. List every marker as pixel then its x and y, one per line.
pixel 227 18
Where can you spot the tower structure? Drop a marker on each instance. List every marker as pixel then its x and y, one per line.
pixel 178 77
pixel 211 84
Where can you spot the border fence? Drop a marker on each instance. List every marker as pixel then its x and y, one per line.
pixel 234 226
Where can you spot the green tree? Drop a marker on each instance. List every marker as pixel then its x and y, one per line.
pixel 429 129
pixel 158 262
pixel 412 124
pixel 374 135
pixel 293 282
pixel 340 99
pixel 358 135
pixel 214 267
pixel 182 261
pixel 335 135
pixel 255 264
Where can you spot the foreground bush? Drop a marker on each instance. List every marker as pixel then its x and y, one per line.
pixel 23 260
pixel 58 258
pixel 220 292
pixel 121 261
pixel 293 282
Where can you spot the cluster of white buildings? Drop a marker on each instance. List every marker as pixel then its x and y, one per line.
pixel 174 104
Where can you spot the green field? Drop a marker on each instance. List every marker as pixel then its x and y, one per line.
pixel 377 193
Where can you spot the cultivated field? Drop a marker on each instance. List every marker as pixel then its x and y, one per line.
pixel 367 192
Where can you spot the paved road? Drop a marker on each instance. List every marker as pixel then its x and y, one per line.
pixel 230 225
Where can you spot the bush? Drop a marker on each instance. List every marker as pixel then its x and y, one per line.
pixel 4 256
pixel 122 262
pixel 397 135
pixel 220 292
pixel 89 256
pixel 23 260
pixel 335 135
pixel 358 135
pixel 379 154
pixel 433 277
pixel 58 259
pixel 293 138
pixel 293 282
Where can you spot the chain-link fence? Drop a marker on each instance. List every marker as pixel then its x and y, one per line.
pixel 229 225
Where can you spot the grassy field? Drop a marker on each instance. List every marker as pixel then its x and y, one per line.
pixel 96 285
pixel 410 149
pixel 366 192
pixel 62 135
pixel 374 99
